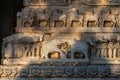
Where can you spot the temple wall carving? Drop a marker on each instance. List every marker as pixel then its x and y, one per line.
pixel 64 38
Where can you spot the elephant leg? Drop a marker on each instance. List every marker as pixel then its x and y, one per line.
pixel 96 24
pixel 114 24
pixel 63 24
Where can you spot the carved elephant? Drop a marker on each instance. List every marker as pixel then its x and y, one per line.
pixel 72 14
pixel 91 17
pixel 108 17
pixel 42 19
pixel 47 48
pixel 77 18
pixel 57 16
pixel 27 17
pixel 79 48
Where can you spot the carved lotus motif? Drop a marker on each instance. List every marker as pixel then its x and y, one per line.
pixel 35 71
pixel 81 70
pixel 24 71
pixel 92 70
pixel 69 71
pixel 46 71
pixel 59 71
pixel 105 71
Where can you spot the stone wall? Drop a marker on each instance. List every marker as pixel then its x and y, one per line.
pixel 64 38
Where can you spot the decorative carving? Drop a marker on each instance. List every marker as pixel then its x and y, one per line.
pixel 69 71
pixel 35 70
pixel 15 71
pixel 8 51
pixel 27 17
pixel 109 19
pixel 65 47
pixel 92 70
pixel 46 71
pixel 24 72
pixel 1 71
pixel 105 71
pixel 81 70
pixel 57 17
pixel 45 2
pixel 118 20
pixel 73 16
pixel 42 18
pixel 82 51
pixel 54 55
pixel 7 71
pixel 64 38
pixel 47 48
pixel 59 71
pixel 91 18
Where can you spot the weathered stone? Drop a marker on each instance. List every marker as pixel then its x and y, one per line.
pixel 71 39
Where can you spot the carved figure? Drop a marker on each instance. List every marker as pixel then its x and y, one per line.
pixel 8 51
pixel 42 18
pixel 48 48
pixel 62 18
pixel 72 15
pixel 36 50
pixel 82 50
pixel 27 17
pixel 118 20
pixel 65 47
pixel 56 15
pixel 18 50
pixel 91 17
pixel 101 49
pixel 118 49
pixel 111 49
pixel 98 50
pixel 110 18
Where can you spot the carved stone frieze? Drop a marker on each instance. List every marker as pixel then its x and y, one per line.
pixel 64 40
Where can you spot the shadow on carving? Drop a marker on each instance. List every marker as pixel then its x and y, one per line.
pixel 66 53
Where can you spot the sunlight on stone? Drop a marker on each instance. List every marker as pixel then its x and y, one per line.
pixel 64 40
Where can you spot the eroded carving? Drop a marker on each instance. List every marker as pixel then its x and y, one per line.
pixel 63 38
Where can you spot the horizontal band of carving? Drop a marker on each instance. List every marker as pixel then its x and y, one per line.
pixel 60 71
pixel 68 2
pixel 72 30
